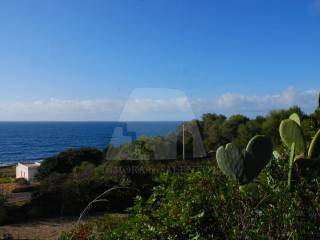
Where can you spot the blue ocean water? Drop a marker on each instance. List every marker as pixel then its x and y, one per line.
pixel 28 141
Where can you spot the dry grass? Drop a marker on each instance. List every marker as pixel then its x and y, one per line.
pixel 48 229
pixel 9 171
pixel 8 187
pixel 44 229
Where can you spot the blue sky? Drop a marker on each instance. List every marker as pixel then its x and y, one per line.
pixel 82 60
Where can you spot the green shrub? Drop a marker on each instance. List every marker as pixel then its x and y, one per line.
pixel 65 161
pixel 207 205
pixel 21 181
pixel 7 180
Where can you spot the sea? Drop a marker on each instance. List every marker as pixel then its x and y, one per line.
pixel 31 141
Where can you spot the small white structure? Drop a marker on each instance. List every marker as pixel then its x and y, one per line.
pixel 27 170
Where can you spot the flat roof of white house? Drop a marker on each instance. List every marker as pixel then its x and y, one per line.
pixel 30 165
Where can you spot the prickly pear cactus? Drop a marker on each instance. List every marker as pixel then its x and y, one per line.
pixel 291 132
pixel 295 117
pixel 260 150
pixel 314 149
pixel 244 166
pixel 292 136
pixel 230 161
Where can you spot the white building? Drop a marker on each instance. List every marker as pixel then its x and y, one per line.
pixel 27 170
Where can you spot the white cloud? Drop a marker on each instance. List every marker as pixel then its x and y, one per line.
pixel 60 110
pixel 156 108
pixel 156 104
pixel 145 105
pixel 236 103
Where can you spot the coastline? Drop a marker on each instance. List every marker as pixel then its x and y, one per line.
pixel 5 165
pixel 33 141
pixel 8 165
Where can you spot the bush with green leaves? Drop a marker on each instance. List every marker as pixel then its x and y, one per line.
pixel 65 161
pixel 206 204
pixel 70 193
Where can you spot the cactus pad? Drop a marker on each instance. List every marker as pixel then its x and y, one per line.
pixel 246 165
pixel 295 117
pixel 230 161
pixel 260 150
pixel 314 149
pixel 291 132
